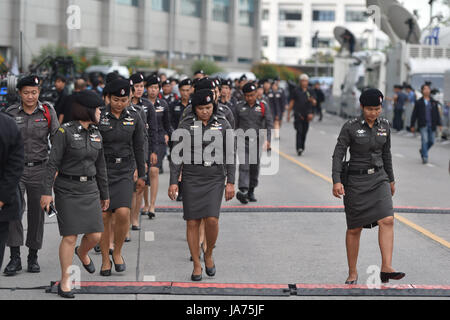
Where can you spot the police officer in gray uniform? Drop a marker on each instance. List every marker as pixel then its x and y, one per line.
pixel 367 182
pixel 203 179
pixel 123 140
pixel 81 187
pixel 36 121
pixel 252 114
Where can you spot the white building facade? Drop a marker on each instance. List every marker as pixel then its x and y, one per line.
pixel 289 26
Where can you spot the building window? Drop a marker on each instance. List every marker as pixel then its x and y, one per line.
pixel 245 60
pixel 322 43
pixel 289 42
pixel 265 41
pixel 355 16
pixel 323 15
pixel 134 3
pixel 290 15
pixel 161 5
pixel 220 59
pixel 266 14
pixel 191 8
pixel 221 10
pixel 246 12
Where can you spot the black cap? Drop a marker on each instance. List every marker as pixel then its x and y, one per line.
pixel 205 83
pixel 185 82
pixel 202 98
pixel 371 98
pixel 119 88
pixel 227 82
pixel 88 99
pixel 110 77
pixel 243 78
pixel 137 78
pixel 153 80
pixel 249 87
pixel 199 72
pixel 29 81
pixel 167 82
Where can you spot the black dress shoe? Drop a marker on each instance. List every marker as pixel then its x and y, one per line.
pixel 300 152
pixel 144 213
pixel 135 228
pixel 385 276
pixel 354 282
pixel 106 273
pixel 151 215
pixel 120 267
pixel 33 265
pixel 180 198
pixel 197 278
pixel 65 295
pixel 127 240
pixel 89 267
pixel 242 197
pixel 211 272
pixel 14 266
pixel 251 197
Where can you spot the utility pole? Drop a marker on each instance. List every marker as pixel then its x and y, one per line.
pixel 431 2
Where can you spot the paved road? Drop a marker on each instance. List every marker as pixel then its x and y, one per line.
pixel 284 248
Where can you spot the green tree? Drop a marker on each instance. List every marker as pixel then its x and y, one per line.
pixel 208 66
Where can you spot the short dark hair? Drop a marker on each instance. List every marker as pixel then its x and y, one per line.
pixel 425 85
pixel 80 84
pixel 61 77
pixel 81 113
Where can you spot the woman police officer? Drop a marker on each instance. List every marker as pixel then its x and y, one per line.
pixel 123 138
pixel 367 182
pixel 204 180
pixel 81 187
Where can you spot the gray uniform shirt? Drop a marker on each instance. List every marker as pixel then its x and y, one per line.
pixel 77 152
pixel 369 147
pixel 35 130
pixel 257 117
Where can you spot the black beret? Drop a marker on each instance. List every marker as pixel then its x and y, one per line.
pixel 202 98
pixel 185 82
pixel 249 87
pixel 153 80
pixel 119 88
pixel 227 82
pixel 199 72
pixel 28 81
pixel 371 98
pixel 110 77
pixel 167 82
pixel 137 78
pixel 88 99
pixel 243 78
pixel 205 83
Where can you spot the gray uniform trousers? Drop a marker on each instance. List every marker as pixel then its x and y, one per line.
pixel 31 183
pixel 249 171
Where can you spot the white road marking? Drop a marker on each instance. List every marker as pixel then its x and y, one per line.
pixel 149 236
pixel 149 278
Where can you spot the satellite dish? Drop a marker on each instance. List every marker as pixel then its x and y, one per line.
pixel 404 24
pixel 387 29
pixel 383 4
pixel 343 36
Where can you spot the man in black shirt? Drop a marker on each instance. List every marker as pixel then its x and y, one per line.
pixel 302 102
pixel 65 114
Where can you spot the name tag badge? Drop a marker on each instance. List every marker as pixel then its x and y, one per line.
pixel 20 120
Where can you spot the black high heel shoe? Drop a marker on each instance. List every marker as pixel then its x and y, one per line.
pixel 354 282
pixel 89 267
pixel 197 278
pixel 120 267
pixel 211 272
pixel 386 276
pixel 106 273
pixel 63 294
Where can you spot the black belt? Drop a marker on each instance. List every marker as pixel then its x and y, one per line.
pixel 364 171
pixel 77 178
pixel 204 164
pixel 117 160
pixel 34 164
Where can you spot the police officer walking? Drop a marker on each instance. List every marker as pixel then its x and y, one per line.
pixel 123 140
pixel 302 102
pixel 11 169
pixel 367 182
pixel 203 179
pixel 81 187
pixel 36 121
pixel 226 88
pixel 251 114
pixel 238 93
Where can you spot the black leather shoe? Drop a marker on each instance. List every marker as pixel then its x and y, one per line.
pixel 89 267
pixel 144 213
pixel 242 197
pixel 180 198
pixel 65 295
pixel 135 228
pixel 33 265
pixel 106 273
pixel 385 277
pixel 197 278
pixel 211 272
pixel 251 197
pixel 354 282
pixel 120 267
pixel 127 240
pixel 151 215
pixel 14 266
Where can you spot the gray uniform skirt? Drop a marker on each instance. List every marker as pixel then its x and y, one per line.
pixel 367 200
pixel 203 191
pixel 78 206
pixel 121 186
pixel 161 152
